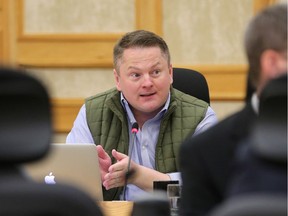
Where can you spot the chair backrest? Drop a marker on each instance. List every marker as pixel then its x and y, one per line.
pixel 152 204
pixel 253 205
pixel 259 184
pixel 191 82
pixel 269 138
pixel 25 133
pixel 32 199
pixel 25 120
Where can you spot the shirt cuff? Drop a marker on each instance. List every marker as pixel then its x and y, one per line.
pixel 175 176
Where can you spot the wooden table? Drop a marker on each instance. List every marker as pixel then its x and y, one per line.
pixel 116 208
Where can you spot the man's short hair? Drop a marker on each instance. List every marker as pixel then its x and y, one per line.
pixel 142 39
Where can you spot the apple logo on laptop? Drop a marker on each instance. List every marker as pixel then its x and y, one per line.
pixel 50 179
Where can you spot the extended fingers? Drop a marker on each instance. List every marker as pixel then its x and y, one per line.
pixel 112 180
pixel 101 152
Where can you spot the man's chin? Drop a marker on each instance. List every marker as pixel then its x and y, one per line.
pixel 150 109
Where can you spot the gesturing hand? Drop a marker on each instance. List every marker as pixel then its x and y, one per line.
pixel 104 161
pixel 117 172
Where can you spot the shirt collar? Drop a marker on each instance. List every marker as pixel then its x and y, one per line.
pixel 255 103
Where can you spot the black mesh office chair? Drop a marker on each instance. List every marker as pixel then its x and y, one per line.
pixel 253 205
pixel 25 132
pixel 191 82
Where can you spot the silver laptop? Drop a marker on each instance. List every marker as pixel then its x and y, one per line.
pixel 74 164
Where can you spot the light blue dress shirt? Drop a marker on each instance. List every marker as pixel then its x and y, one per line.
pixel 145 141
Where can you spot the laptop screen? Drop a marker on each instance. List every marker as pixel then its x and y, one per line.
pixel 74 164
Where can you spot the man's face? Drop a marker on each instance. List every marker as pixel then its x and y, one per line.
pixel 144 78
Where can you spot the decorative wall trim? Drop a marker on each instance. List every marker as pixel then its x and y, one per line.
pixel 66 50
pixel 64 112
pixel 261 4
pixel 226 82
pixel 4 31
pixel 149 15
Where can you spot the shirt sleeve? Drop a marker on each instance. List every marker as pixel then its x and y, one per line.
pixel 209 120
pixel 175 176
pixel 80 132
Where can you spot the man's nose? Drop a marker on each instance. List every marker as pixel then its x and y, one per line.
pixel 147 80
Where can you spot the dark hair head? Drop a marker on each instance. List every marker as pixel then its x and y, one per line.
pixel 267 30
pixel 139 38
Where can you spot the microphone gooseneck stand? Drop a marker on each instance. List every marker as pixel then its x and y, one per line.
pixel 129 172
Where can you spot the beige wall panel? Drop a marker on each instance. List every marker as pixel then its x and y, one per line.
pixel 206 32
pixel 74 82
pixel 226 108
pixel 207 36
pixel 74 16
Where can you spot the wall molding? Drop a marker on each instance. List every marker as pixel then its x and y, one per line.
pixel 5 30
pixel 64 112
pixel 149 15
pixel 226 82
pixel 259 5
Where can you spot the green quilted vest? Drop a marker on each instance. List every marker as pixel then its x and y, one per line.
pixel 108 125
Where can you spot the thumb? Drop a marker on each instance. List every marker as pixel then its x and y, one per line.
pixel 118 155
pixel 101 152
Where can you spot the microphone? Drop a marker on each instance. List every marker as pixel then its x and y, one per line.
pixel 134 130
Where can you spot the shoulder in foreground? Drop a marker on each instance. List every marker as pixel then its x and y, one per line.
pixel 216 131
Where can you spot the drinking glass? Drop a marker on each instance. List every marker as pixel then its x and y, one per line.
pixel 174 195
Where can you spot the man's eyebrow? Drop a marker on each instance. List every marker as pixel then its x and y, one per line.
pixel 137 68
pixel 133 67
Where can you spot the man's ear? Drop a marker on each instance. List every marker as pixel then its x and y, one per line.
pixel 271 63
pixel 117 79
pixel 171 73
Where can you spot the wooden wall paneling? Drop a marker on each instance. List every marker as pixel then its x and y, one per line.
pixel 64 112
pixel 149 15
pixel 62 50
pixel 226 82
pixel 80 50
pixel 1 31
pixel 261 4
pixel 4 32
pixel 66 50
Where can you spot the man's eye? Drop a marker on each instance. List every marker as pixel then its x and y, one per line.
pixel 135 75
pixel 156 72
